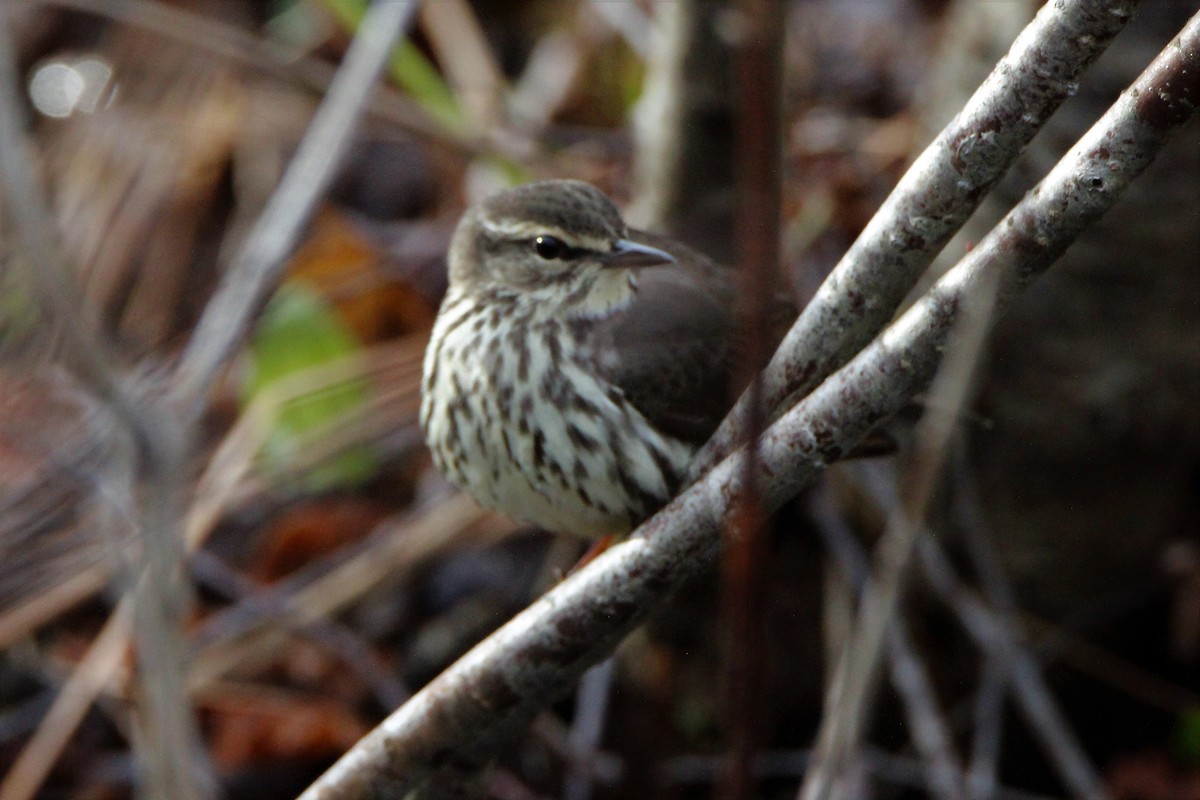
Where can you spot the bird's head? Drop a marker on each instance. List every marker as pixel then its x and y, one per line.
pixel 556 233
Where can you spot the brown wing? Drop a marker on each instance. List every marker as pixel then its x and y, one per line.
pixel 671 352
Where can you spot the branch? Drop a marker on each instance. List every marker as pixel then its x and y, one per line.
pixel 469 710
pixel 258 264
pixel 853 686
pixel 1008 659
pixel 49 279
pixel 930 732
pixel 758 61
pixel 1002 643
pixel 932 201
pixel 171 751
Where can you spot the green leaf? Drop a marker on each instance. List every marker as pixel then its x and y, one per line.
pixel 19 313
pixel 1187 736
pixel 298 332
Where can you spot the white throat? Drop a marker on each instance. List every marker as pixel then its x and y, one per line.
pixel 600 294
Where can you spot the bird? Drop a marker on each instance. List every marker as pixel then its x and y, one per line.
pixel 575 364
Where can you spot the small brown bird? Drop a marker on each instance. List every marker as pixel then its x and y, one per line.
pixel 575 364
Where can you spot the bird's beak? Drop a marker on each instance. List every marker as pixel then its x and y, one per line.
pixel 626 253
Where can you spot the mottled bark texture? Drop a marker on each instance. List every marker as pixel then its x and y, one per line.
pixel 933 200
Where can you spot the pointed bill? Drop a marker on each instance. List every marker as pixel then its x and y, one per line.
pixel 628 253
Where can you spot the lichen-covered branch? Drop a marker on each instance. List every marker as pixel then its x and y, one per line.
pixel 932 201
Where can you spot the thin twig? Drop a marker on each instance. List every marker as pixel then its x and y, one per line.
pixel 225 319
pixel 629 20
pixel 1074 651
pixel 157 598
pixel 337 637
pixel 888 768
pixel 1001 641
pixel 173 758
pixel 228 42
pixel 759 68
pixel 227 478
pixel 983 773
pixel 998 636
pixel 591 707
pixel 256 628
pixel 462 49
pixel 83 350
pixel 30 769
pixel 257 265
pixel 853 685
pixel 931 733
pixel 601 767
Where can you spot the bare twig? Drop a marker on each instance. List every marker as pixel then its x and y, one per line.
pixel 172 756
pixel 982 775
pixel 628 19
pixel 224 321
pixel 759 67
pixel 230 43
pixel 227 479
pixel 258 263
pixel 472 707
pixel 169 737
pixel 591 707
pixel 684 123
pixel 84 352
pixel 933 200
pixel 600 767
pixel 104 656
pixel 1001 641
pixel 931 733
pixel 998 636
pixel 256 627
pixel 46 605
pixel 1061 646
pixel 888 768
pixel 337 637
pixel 546 83
pixel 853 684
pixel 463 51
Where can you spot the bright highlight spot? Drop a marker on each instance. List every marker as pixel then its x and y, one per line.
pixel 60 88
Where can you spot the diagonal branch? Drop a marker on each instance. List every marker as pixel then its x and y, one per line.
pixel 466 713
pixel 932 201
pixel 852 689
pixel 260 260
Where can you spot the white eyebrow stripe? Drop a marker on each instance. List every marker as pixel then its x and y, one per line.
pixel 523 229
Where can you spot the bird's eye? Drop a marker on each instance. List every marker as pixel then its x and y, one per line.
pixel 550 247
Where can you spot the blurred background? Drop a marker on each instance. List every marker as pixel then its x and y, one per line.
pixel 331 572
